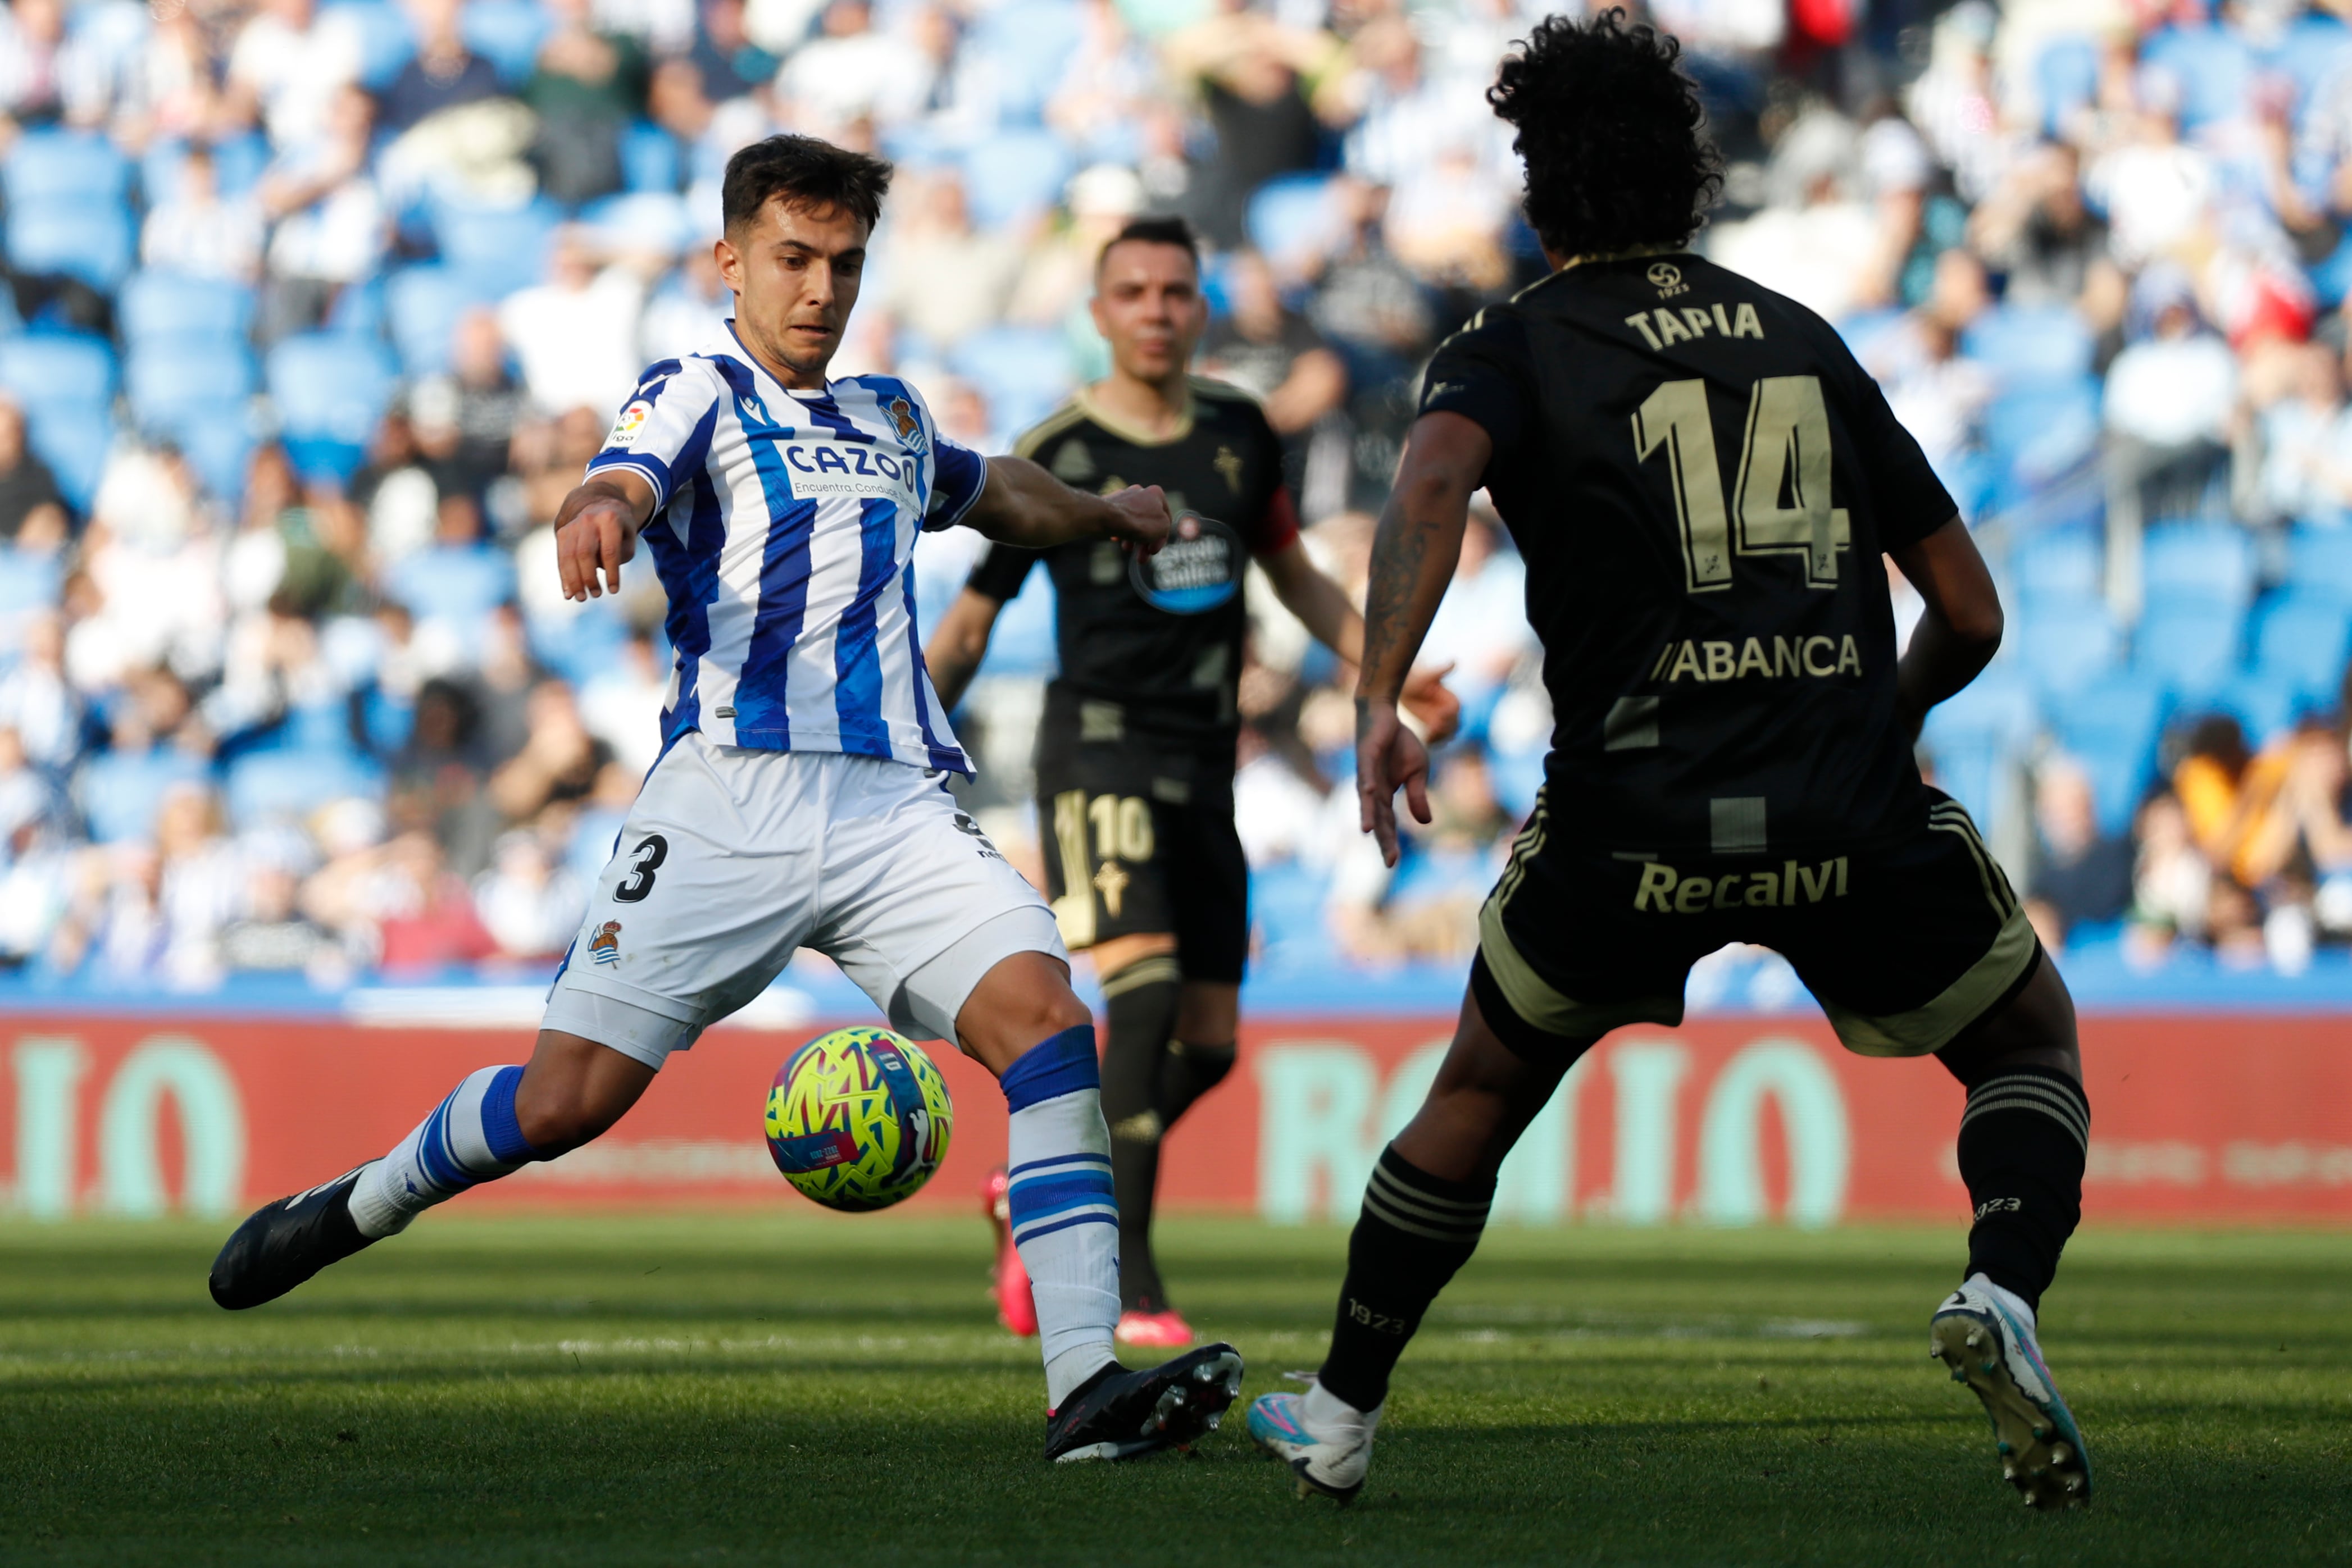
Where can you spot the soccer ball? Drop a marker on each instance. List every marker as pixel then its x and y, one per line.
pixel 858 1119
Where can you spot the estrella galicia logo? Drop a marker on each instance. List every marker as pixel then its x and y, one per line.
pixel 1198 568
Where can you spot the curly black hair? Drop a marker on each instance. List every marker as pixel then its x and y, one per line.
pixel 1612 133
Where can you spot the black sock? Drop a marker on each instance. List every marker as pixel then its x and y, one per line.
pixel 1142 1002
pixel 1415 1232
pixel 2024 1139
pixel 1187 1073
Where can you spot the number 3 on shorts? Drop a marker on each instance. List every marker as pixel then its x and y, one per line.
pixel 643 863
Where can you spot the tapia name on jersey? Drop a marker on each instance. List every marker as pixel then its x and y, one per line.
pixel 784 533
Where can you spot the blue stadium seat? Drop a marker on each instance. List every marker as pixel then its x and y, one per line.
pixel 1023 370
pixel 156 304
pixel 651 159
pixel 1996 709
pixel 507 34
pixel 459 584
pixel 2300 642
pixel 58 370
pixel 2065 78
pixel 2061 562
pixel 2024 346
pixel 218 446
pixel 2201 563
pixel 640 220
pixel 1290 214
pixel 423 304
pixel 1027 44
pixel 237 164
pixel 1022 642
pixel 2065 643
pixel 1015 175
pixel 494 251
pixel 118 793
pixel 2319 560
pixel 2212 65
pixel 387 40
pixel 2266 706
pixel 75 449
pixel 2191 649
pixel 330 391
pixel 65 165
pixel 179 382
pixel 1967 769
pixel 2041 432
pixel 2111 726
pixel 1286 905
pixel 266 787
pixel 71 236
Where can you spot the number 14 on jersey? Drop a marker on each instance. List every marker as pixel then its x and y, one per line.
pixel 1781 501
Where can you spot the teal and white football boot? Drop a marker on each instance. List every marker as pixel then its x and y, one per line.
pixel 1327 1442
pixel 1984 1334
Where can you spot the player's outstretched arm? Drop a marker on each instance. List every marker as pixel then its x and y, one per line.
pixel 1322 607
pixel 596 530
pixel 1023 505
pixel 1414 557
pixel 959 644
pixel 1961 629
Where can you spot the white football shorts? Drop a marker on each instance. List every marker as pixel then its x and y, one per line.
pixel 731 859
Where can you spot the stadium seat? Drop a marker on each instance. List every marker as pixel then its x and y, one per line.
pixel 2065 78
pixel 173 385
pixel 1286 906
pixel 1028 43
pixel 330 391
pixel 2200 563
pixel 1022 642
pixel 1998 708
pixel 2264 705
pixel 507 34
pixel 2300 642
pixel 2319 560
pixel 2066 562
pixel 493 251
pixel 75 449
pixel 219 446
pixel 237 164
pixel 2212 65
pixel 2191 649
pixel 386 40
pixel 2065 643
pixel 118 793
pixel 2039 432
pixel 640 220
pixel 458 584
pixel 1291 216
pixel 651 159
pixel 1969 770
pixel 1015 175
pixel 157 304
pixel 2040 346
pixel 28 586
pixel 72 236
pixel 422 304
pixel 2111 726
pixel 1023 370
pixel 265 787
pixel 53 165
pixel 58 370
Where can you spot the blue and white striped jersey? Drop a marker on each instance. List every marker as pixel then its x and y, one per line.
pixel 784 534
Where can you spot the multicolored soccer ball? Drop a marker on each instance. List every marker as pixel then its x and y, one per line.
pixel 858 1119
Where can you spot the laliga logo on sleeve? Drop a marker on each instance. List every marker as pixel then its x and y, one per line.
pixel 1198 568
pixel 1667 278
pixel 632 420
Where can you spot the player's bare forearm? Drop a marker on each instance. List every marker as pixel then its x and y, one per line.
pixel 959 644
pixel 596 530
pixel 1320 604
pixel 1418 544
pixel 1023 505
pixel 1961 629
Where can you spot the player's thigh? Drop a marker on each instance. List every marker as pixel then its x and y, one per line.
pixel 1105 865
pixel 918 905
pixel 1909 946
pixel 1207 881
pixel 1572 943
pixel 708 891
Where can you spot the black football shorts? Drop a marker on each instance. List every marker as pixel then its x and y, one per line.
pixel 1137 845
pixel 1904 944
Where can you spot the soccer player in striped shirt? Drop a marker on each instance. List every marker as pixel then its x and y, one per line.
pixel 800 797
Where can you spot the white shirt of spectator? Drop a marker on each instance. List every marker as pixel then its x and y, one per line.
pixel 296 74
pixel 577 346
pixel 2170 392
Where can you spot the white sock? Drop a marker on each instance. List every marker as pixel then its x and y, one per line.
pixel 1326 1410
pixel 471 1138
pixel 2007 1297
pixel 1065 1219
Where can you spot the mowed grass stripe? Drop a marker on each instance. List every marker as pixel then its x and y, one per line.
pixel 791 1387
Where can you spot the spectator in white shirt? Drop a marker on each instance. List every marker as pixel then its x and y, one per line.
pixel 2170 397
pixel 289 62
pixel 576 334
pixel 201 233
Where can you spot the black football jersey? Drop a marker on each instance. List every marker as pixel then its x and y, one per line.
pixel 1701 480
pixel 1152 649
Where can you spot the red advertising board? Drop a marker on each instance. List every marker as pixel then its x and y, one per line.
pixel 1727 1121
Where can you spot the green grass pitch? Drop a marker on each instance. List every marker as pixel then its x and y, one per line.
pixel 794 1388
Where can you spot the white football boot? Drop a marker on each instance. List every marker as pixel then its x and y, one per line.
pixel 1984 1334
pixel 1327 1442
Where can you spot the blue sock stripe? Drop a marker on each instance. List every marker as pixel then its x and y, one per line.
pixel 1021 1237
pixel 1017 1172
pixel 1060 1065
pixel 441 1167
pixel 1042 1195
pixel 501 1129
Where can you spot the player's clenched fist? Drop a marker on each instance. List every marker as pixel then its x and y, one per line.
pixel 596 531
pixel 1140 518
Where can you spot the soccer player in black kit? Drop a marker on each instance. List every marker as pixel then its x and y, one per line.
pixel 1702 481
pixel 1135 752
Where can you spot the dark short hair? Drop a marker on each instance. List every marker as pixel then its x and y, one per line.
pixel 1154 231
pixel 1612 134
pixel 808 174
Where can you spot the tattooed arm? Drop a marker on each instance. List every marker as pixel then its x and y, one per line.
pixel 1413 556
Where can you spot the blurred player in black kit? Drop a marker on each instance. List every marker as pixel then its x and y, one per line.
pixel 1702 481
pixel 1135 753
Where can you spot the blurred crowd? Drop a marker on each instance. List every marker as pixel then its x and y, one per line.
pixel 319 309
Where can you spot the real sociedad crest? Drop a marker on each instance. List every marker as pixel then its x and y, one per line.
pixel 909 422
